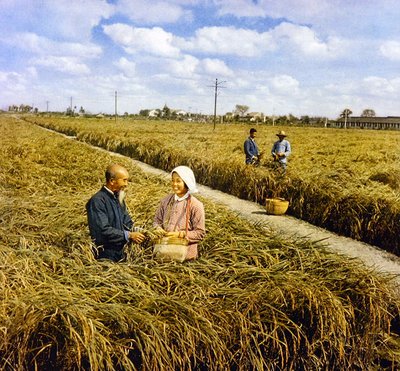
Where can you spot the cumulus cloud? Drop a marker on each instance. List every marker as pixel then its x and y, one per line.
pixel 391 50
pixel 69 19
pixel 305 40
pixel 134 40
pixel 230 41
pixel 150 12
pixel 286 37
pixel 44 46
pixel 379 86
pixel 289 9
pixel 127 67
pixel 215 67
pixel 284 84
pixel 68 65
pixel 185 67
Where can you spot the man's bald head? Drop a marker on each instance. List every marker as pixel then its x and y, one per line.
pixel 114 171
pixel 116 177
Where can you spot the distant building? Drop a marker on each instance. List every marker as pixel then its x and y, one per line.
pixel 377 123
pixel 255 116
pixel 154 113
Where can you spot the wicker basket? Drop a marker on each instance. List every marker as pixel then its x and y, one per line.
pixel 171 248
pixel 276 206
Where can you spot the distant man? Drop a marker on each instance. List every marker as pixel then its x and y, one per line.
pixel 250 148
pixel 109 222
pixel 281 151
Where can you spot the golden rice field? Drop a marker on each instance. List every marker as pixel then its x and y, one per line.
pixel 347 181
pixel 252 301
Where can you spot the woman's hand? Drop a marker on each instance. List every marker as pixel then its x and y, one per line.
pixel 177 234
pixel 159 232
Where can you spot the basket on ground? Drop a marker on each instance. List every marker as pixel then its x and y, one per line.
pixel 276 206
pixel 171 248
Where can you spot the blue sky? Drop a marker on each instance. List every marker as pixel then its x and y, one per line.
pixel 304 57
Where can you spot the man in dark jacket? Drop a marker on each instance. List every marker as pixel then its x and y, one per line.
pixel 250 148
pixel 109 222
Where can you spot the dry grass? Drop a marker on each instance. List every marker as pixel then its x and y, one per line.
pixel 349 184
pixel 252 301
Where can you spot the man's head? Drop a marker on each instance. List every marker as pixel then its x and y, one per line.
pixel 253 132
pixel 117 178
pixel 281 135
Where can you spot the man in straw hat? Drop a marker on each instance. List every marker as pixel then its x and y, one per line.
pixel 281 150
pixel 110 225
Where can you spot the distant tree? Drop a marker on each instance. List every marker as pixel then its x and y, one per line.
pixel 81 110
pixel 241 109
pixel 292 119
pixel 282 120
pixel 345 114
pixel 305 120
pixel 368 113
pixel 166 111
pixel 144 112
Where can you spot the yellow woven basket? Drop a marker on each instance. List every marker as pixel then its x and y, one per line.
pixel 276 206
pixel 171 248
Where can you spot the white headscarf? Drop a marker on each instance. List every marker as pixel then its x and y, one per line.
pixel 187 176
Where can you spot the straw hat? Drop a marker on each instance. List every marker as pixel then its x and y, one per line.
pixel 281 134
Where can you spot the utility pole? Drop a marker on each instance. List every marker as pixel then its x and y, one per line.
pixel 115 104
pixel 273 116
pixel 217 85
pixel 71 105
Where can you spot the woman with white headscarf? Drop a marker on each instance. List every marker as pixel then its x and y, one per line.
pixel 180 214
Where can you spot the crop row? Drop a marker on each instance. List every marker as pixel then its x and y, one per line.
pixel 350 185
pixel 252 301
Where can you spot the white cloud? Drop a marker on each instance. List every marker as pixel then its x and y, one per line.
pixel 44 46
pixel 151 12
pixel 290 9
pixel 68 65
pixel 11 79
pixel 127 67
pixel 69 19
pixel 284 84
pixel 75 19
pixel 215 67
pixel 230 41
pixel 241 42
pixel 134 40
pixel 391 50
pixel 305 40
pixel 185 67
pixel 379 86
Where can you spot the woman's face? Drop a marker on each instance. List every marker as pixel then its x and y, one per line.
pixel 178 185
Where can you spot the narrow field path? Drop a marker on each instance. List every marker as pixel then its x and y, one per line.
pixel 371 256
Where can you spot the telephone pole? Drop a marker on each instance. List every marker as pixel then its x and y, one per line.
pixel 216 86
pixel 115 104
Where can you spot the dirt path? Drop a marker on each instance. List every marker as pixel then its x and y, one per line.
pixel 372 256
pixel 287 225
